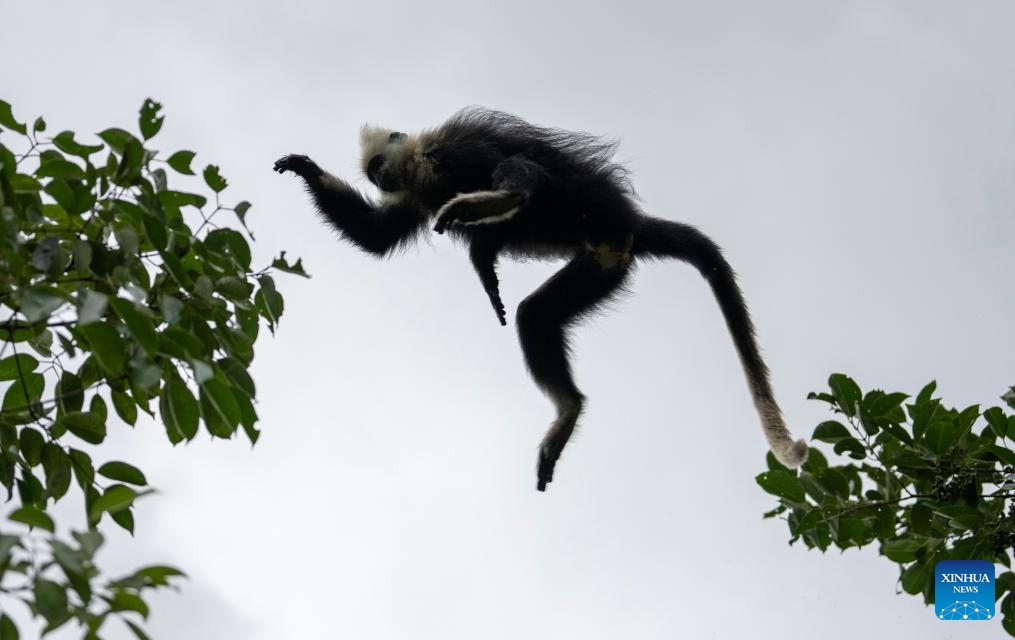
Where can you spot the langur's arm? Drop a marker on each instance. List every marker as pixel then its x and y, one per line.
pixel 514 180
pixel 483 254
pixel 376 229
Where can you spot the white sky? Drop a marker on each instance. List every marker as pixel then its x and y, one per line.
pixel 854 159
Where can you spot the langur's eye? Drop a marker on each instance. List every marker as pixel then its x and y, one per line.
pixel 397 136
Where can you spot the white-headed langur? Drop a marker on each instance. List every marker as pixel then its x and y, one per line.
pixel 502 185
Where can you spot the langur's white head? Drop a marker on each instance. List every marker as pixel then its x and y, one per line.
pixel 388 158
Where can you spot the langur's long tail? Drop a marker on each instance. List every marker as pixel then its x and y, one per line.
pixel 656 238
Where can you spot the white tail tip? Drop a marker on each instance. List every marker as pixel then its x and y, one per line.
pixel 790 453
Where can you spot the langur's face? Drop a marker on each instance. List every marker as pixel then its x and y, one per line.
pixel 385 162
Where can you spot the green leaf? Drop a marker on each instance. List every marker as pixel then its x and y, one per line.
pixel 86 425
pixel 926 393
pixel 1004 583
pixel 56 464
pixel 123 472
pixel 180 343
pixel 179 410
pixel 38 305
pixel 940 435
pixel 236 289
pixel 7 629
pixel 33 517
pixel 1009 397
pixel 241 210
pixel 107 346
pixel 846 391
pixel 21 183
pixel 1006 456
pixel 180 161
pixel 249 321
pixel 30 490
pixel 124 518
pixel 149 120
pixel 219 410
pixel 90 372
pixel 238 376
pixel 91 306
pixel 782 484
pixel 964 421
pixel 138 323
pixel 62 194
pixel 889 407
pixel 236 343
pixel 60 169
pixel 98 407
pixel 919 518
pixel 297 268
pixel 39 125
pixel 181 199
pixel 115 498
pixel 118 139
pixel 851 531
pixel 22 333
pixel 46 254
pixel 171 308
pixel 812 488
pixel 90 541
pixel 23 394
pixel 31 446
pixel 158 575
pixel 7 119
pixel 914 579
pixel 72 562
pixel 148 577
pixel 70 393
pixel 51 600
pixel 13 367
pixel 231 243
pixel 175 269
pixel 144 373
pixel 155 231
pixel 816 461
pixel 835 433
pixel 126 601
pixel 902 550
pixel 212 178
pixel 833 480
pixel 966 521
pixel 268 301
pixel 994 416
pixel 124 405
pixel 84 472
pixel 43 343
pixel 137 630
pixel 203 371
pixel 64 141
pixel 248 415
pixel 204 288
pixel 127 239
pixel 1007 608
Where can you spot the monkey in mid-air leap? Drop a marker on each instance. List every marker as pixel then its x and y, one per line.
pixel 505 186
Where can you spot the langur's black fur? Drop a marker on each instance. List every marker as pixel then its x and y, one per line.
pixel 503 185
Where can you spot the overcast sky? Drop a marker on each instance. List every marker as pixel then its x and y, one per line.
pixel 855 160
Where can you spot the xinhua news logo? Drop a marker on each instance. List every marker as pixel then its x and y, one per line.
pixel 964 590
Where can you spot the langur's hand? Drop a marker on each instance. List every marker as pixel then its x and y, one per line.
pixel 302 166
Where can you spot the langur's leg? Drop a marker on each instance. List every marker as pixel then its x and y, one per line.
pixel 578 289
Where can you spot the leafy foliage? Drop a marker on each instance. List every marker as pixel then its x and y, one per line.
pixel 922 480
pixel 115 289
